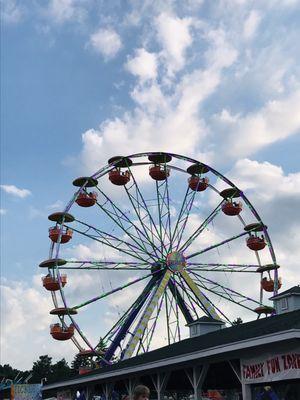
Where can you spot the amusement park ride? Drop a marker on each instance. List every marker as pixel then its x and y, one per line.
pixel 148 215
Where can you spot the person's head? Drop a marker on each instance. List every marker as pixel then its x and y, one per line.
pixel 141 392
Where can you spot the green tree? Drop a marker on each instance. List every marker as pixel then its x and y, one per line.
pixel 8 372
pixel 42 368
pixel 60 370
pixel 237 321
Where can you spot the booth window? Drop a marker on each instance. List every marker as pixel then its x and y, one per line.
pixel 284 303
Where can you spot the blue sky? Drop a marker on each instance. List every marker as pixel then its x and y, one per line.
pixel 84 80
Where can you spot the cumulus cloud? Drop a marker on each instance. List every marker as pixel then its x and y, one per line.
pixel 106 42
pixel 277 120
pixel 15 191
pixel 24 314
pixel 143 64
pixel 165 120
pixel 276 196
pixel 173 33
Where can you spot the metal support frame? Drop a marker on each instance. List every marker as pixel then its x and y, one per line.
pixel 107 390
pixel 130 384
pixel 235 369
pixel 195 289
pixel 160 381
pixel 140 328
pixel 197 377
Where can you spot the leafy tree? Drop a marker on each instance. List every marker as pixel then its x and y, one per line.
pixel 42 368
pixel 237 321
pixel 8 372
pixel 60 370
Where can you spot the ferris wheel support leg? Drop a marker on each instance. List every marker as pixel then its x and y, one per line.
pixel 142 324
pixel 183 307
pixel 200 296
pixel 129 320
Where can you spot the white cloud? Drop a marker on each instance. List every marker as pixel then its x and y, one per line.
pixel 174 35
pixel 221 53
pixel 143 64
pixel 251 24
pixel 277 120
pixel 57 205
pixel 61 11
pixel 3 211
pixel 11 11
pixel 276 196
pixel 25 314
pixel 13 190
pixel 106 42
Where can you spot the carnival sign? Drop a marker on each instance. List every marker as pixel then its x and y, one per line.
pixel 271 367
pixel 26 392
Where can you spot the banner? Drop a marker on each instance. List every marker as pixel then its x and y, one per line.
pixel 27 392
pixel 271 367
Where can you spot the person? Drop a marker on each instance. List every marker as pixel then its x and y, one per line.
pixel 267 393
pixel 141 392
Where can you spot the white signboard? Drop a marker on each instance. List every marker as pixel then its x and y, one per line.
pixel 271 367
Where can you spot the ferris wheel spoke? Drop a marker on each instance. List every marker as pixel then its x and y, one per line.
pixel 115 246
pixel 223 291
pixel 183 217
pixel 83 265
pixel 106 236
pixel 202 227
pixel 147 230
pixel 215 267
pixel 164 216
pixel 102 296
pixel 141 206
pixel 119 217
pixel 217 245
pixel 196 265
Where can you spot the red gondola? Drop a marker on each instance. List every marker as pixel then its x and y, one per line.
pixel 256 243
pixel 86 199
pixel 119 178
pixel 198 184
pixel 51 283
pixel 66 235
pixel 84 370
pixel 60 333
pixel 159 172
pixel 268 284
pixel 231 208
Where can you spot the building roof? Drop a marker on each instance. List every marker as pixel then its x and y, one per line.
pixel 223 337
pixel 206 320
pixel 293 290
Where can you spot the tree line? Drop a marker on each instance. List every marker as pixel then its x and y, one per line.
pixel 44 369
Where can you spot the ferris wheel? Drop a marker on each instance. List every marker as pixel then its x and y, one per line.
pixel 164 238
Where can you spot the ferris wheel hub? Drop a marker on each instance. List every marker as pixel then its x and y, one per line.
pixel 176 261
